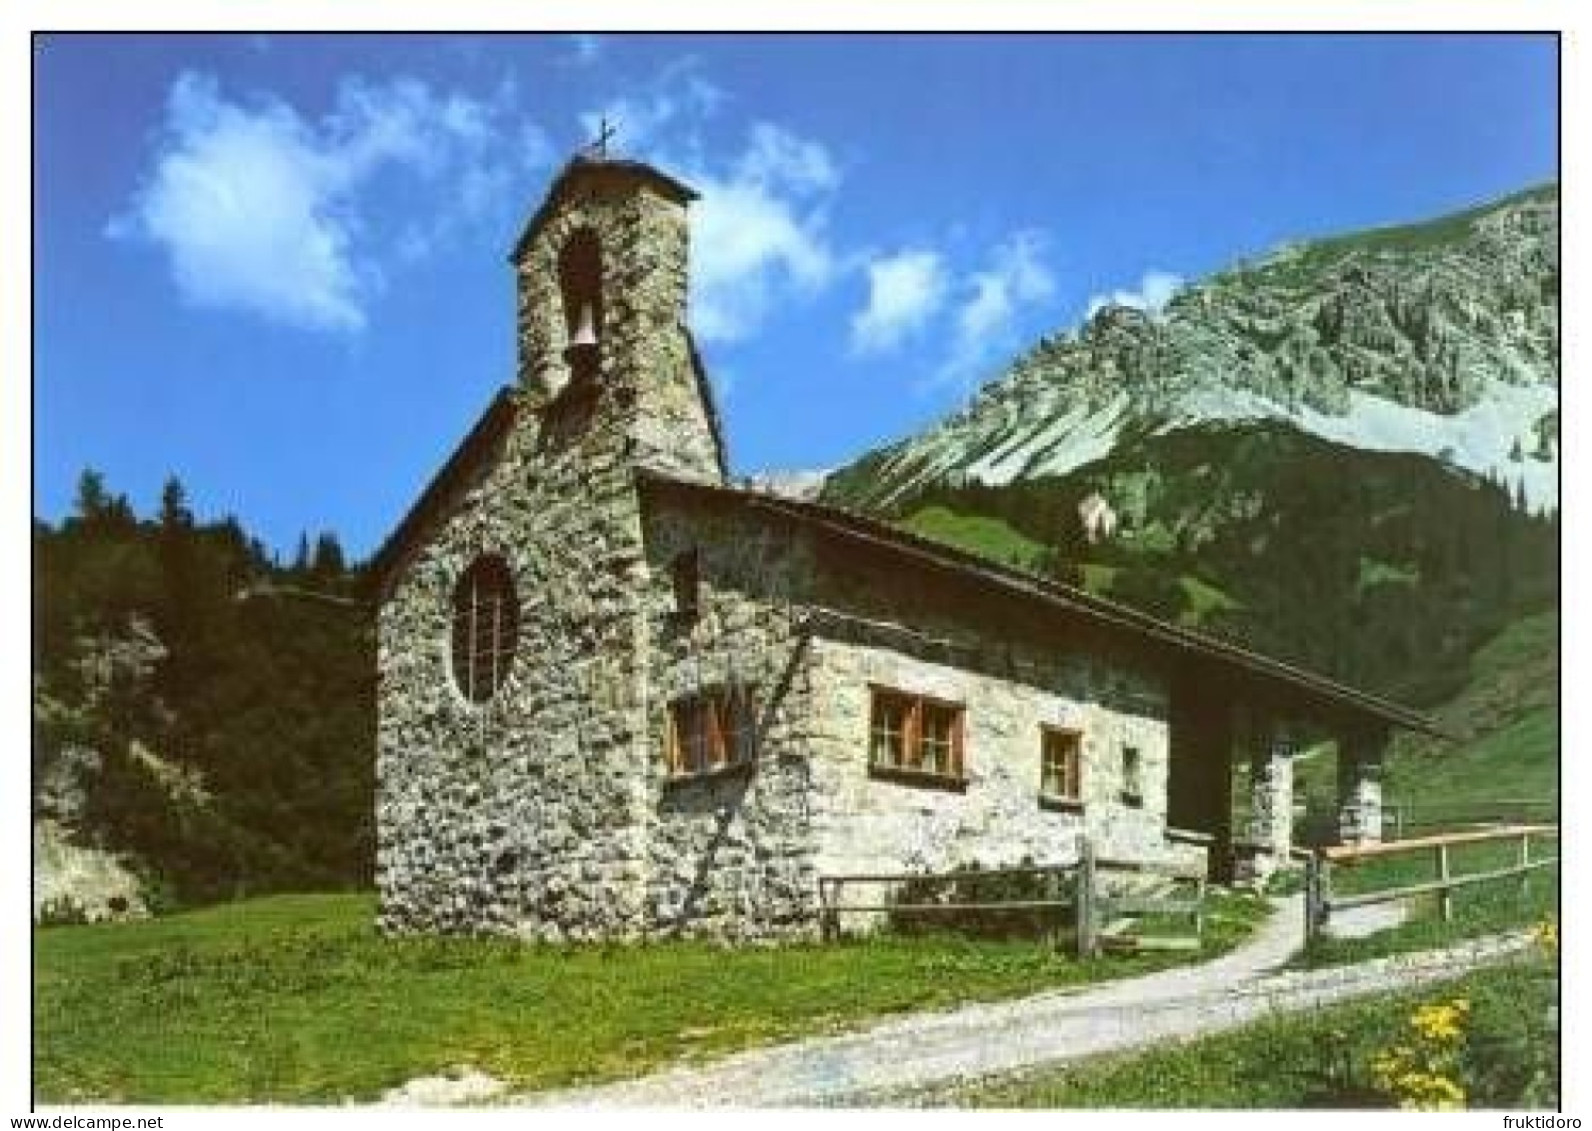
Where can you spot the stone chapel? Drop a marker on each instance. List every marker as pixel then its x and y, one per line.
pixel 619 697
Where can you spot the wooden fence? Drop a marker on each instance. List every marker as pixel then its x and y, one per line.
pixel 1321 901
pixel 1401 818
pixel 1101 919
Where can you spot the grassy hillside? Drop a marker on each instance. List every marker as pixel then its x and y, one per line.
pixel 1508 720
pixel 1185 598
pixel 1506 723
pixel 1385 570
pixel 979 534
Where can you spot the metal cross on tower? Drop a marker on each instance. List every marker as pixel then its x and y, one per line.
pixel 599 145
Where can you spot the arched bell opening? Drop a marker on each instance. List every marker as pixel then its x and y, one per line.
pixel 580 286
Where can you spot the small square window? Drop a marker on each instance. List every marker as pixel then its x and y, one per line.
pixel 1132 777
pixel 1061 764
pixel 915 736
pixel 714 730
pixel 685 575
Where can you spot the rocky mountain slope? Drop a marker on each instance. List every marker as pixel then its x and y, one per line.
pixel 1439 339
pixel 197 733
pixel 1345 453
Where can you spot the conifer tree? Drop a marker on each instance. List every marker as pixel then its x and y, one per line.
pixel 174 512
pixel 92 503
pixel 327 564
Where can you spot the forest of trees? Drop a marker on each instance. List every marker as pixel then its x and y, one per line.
pixel 262 693
pixel 1387 571
pixel 1384 570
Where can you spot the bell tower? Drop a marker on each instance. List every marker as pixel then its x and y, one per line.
pixel 605 352
pixel 513 715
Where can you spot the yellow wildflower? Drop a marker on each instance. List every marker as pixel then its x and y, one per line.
pixel 1440 1021
pixel 1416 1075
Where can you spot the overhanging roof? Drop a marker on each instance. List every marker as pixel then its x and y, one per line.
pixel 1054 596
pixel 593 170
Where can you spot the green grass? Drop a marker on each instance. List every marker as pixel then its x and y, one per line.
pixel 1518 761
pixel 1202 599
pixel 1154 537
pixel 992 537
pixel 295 999
pixel 1480 909
pixel 1374 573
pixel 1099 579
pixel 1508 720
pixel 1317 1058
pixel 1507 749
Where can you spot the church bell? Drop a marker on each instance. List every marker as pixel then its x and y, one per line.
pixel 586 331
pixel 582 350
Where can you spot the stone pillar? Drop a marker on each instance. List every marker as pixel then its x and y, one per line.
pixel 1271 795
pixel 1360 786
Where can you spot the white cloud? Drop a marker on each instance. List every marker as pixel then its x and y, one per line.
pixel 750 245
pixel 774 157
pixel 1015 278
pixel 668 112
pixel 1156 289
pixel 261 210
pixel 758 233
pixel 905 291
pixel 585 49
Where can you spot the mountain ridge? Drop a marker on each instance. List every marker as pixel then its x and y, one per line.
pixel 1344 453
pixel 1438 338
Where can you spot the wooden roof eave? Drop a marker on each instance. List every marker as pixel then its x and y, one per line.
pixel 1337 698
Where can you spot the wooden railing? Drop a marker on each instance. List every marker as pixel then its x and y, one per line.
pixel 1094 910
pixel 1105 920
pixel 1321 901
pixel 1401 818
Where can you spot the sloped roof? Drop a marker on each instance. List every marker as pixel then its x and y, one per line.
pixel 484 438
pixel 493 425
pixel 1050 595
pixel 583 167
pixel 915 552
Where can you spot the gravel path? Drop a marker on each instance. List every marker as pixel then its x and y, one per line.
pixel 1358 922
pixel 933 1051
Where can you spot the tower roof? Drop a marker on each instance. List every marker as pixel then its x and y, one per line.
pixel 589 170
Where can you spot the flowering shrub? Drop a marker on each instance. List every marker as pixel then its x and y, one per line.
pixel 1502 1053
pixel 1425 1073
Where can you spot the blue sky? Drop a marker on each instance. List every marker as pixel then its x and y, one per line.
pixel 275 265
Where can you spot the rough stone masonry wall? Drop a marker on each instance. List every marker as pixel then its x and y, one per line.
pixel 740 854
pixel 517 815
pixel 731 853
pixel 528 814
pixel 866 823
pixel 1014 671
pixel 645 345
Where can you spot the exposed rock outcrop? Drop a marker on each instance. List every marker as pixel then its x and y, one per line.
pixel 1438 338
